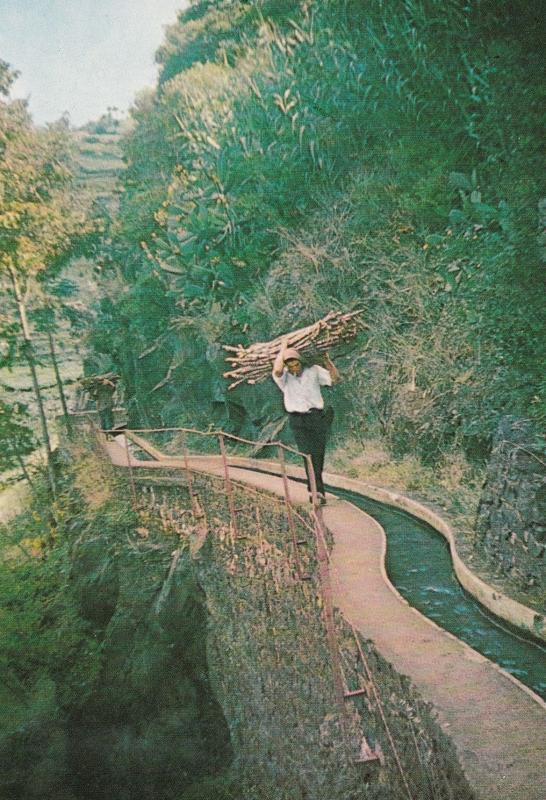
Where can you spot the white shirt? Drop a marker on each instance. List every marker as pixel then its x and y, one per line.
pixel 302 392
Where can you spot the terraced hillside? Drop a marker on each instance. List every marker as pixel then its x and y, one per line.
pixel 98 161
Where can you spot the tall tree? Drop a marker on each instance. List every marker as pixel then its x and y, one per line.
pixel 40 217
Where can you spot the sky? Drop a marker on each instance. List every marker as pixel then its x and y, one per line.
pixel 81 56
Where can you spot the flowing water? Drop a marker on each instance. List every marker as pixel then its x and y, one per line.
pixel 419 565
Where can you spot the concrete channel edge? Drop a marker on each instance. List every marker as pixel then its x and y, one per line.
pixel 505 608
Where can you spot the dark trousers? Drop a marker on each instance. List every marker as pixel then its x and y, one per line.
pixel 310 432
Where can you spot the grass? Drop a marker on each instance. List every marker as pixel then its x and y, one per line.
pixel 454 484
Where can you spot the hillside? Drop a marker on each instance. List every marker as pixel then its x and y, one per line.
pixel 98 157
pixel 98 164
pixel 297 157
pixel 179 622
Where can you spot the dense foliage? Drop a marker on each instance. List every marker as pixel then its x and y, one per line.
pixel 103 678
pixel 15 434
pixel 298 156
pixel 40 212
pixel 44 222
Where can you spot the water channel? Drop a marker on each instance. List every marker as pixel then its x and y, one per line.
pixel 419 566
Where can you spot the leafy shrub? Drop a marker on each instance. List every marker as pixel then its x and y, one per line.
pixel 297 157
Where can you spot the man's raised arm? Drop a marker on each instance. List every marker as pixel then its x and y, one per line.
pixel 332 369
pixel 278 364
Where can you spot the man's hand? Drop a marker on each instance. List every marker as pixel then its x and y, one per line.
pixel 331 367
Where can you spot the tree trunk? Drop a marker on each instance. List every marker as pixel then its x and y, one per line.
pixel 29 355
pixel 20 461
pixel 60 388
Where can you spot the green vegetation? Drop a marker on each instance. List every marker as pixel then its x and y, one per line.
pixel 301 156
pixel 44 222
pixel 43 641
pixel 104 687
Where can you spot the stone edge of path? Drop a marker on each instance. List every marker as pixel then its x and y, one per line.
pixel 505 608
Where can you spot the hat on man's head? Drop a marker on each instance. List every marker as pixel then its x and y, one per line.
pixel 291 355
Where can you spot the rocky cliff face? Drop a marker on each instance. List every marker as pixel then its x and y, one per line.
pixel 116 700
pixel 200 667
pixel 150 727
pixel 511 520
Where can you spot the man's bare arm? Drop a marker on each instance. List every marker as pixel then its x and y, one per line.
pixel 278 364
pixel 332 369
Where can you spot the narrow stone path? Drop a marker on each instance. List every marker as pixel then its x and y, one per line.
pixel 497 725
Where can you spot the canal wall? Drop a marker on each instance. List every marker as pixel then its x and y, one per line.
pixel 268 654
pixel 502 606
pixel 511 517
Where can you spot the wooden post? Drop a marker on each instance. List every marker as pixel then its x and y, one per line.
pixel 131 477
pixel 227 483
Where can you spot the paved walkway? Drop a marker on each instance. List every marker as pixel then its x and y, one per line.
pixel 497 726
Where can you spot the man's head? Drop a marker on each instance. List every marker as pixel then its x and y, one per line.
pixel 292 361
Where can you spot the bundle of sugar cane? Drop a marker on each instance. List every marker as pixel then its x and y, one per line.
pixel 253 364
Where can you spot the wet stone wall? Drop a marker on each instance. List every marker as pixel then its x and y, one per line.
pixel 511 519
pixel 270 664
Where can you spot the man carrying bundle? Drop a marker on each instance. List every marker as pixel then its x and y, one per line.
pixel 309 421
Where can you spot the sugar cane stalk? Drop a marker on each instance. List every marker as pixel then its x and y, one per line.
pixel 253 364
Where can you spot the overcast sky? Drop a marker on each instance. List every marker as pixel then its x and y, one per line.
pixel 82 56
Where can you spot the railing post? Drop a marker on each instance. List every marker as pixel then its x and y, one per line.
pixel 379 704
pixel 227 482
pixel 131 476
pixel 327 598
pixel 289 514
pixel 312 480
pixel 189 477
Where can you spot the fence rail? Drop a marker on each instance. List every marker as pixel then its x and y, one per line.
pixel 183 467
